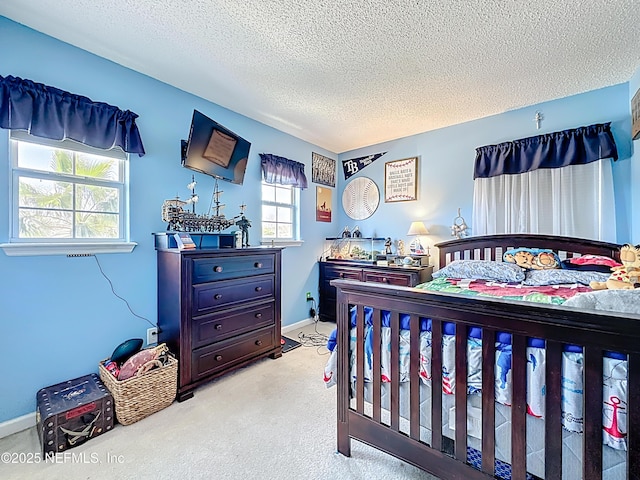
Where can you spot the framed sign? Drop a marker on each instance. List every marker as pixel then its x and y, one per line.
pixel 400 180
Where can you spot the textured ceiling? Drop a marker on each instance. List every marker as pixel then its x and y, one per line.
pixel 343 74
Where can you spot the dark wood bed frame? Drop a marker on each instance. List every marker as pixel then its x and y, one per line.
pixel 595 331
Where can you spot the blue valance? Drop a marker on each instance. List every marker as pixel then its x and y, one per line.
pixel 283 171
pixel 577 146
pixel 51 113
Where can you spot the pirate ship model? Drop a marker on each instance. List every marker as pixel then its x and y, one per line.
pixel 179 219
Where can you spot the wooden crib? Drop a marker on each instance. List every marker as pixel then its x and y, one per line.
pixel 595 331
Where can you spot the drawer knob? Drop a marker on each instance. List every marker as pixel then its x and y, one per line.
pixel 258 342
pixel 258 315
pixel 218 358
pixel 257 265
pixel 341 274
pixel 258 289
pixel 217 296
pixel 385 280
pixel 218 327
pixel 217 269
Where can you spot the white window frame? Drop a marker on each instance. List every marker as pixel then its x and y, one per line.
pixel 295 217
pixel 64 246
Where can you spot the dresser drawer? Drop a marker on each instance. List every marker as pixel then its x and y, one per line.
pixel 220 326
pixel 332 273
pixel 211 269
pixel 216 357
pixel 229 293
pixel 389 278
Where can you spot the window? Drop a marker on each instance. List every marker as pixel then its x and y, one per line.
pixel 280 215
pixel 66 192
pixel 559 183
pixel 575 201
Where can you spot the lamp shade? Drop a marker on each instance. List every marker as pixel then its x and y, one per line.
pixel 417 228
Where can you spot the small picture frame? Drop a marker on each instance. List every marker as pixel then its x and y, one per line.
pixel 184 241
pixel 323 204
pixel 400 180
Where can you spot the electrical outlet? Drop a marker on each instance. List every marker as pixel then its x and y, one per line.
pixel 152 335
pixel 309 297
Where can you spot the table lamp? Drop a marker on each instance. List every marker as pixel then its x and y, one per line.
pixel 417 229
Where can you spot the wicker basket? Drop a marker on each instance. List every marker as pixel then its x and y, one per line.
pixel 138 397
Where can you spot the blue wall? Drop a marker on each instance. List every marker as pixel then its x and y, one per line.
pixel 634 86
pixel 447 159
pixel 58 315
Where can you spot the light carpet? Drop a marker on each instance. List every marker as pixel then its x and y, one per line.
pixel 274 419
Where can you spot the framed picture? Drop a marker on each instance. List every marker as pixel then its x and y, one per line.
pixel 323 170
pixel 400 180
pixel 635 116
pixel 323 204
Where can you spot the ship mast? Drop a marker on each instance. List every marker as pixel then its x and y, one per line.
pixel 194 196
pixel 216 199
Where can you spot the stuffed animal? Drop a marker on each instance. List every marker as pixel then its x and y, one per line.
pixel 545 260
pixel 522 258
pixel 532 258
pixel 625 277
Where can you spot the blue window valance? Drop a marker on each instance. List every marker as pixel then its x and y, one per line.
pixel 577 146
pixel 48 112
pixel 283 171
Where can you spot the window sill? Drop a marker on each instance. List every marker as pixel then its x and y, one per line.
pixel 282 243
pixel 79 249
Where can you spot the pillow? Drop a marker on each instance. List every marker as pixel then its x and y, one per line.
pixel 538 278
pixel 532 258
pixel 586 268
pixel 482 270
pixel 595 263
pixel 594 260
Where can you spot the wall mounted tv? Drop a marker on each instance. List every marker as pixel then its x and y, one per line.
pixel 215 150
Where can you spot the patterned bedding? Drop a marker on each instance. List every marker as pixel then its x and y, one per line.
pixel 614 365
pixel 550 294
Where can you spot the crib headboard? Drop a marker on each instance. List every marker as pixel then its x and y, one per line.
pixel 491 247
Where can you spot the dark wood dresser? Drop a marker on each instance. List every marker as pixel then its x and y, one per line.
pixel 363 272
pixel 218 310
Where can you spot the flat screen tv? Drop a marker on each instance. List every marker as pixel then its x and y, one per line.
pixel 215 150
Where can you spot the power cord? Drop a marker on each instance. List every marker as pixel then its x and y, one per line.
pixel 118 296
pixel 317 339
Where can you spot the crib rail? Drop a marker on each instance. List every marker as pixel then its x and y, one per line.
pixel 596 332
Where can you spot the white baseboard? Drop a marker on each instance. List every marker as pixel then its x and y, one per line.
pixel 29 420
pixel 17 424
pixel 297 325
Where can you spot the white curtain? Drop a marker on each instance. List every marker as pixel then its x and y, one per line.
pixel 574 201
